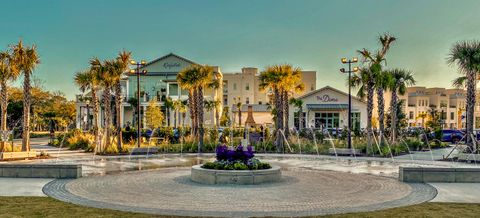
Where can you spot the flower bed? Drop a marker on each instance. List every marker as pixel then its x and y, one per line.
pixel 239 158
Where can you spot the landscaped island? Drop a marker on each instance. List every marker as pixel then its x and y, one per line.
pixel 235 166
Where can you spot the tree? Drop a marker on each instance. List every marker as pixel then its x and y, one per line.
pixel 185 79
pixel 292 83
pixel 106 81
pixel 26 59
pixel 374 63
pixel 153 115
pixel 8 72
pixel 365 84
pixel 168 103
pixel 466 55
pixel 117 69
pixel 298 103
pixel 195 78
pixel 213 106
pixel 238 105
pixel 398 83
pixel 88 80
pixel 225 119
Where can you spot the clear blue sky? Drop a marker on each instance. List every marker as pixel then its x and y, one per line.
pixel 313 35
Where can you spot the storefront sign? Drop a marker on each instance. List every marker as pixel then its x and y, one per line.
pixel 168 65
pixel 326 98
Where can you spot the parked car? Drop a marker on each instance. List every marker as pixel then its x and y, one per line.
pixel 450 135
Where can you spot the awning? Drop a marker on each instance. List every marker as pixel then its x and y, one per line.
pixel 327 106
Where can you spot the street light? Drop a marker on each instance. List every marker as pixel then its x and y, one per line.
pixel 87 102
pixel 350 71
pixel 137 72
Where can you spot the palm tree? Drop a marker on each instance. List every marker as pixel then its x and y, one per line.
pixel 400 79
pixel 186 81
pixel 106 81
pixel 26 59
pixel 8 72
pixel 117 69
pixel 88 80
pixel 168 103
pixel 422 116
pixel 365 83
pixel 292 83
pixel 466 55
pixel 298 103
pixel 273 78
pixel 194 78
pixel 375 62
pixel 238 105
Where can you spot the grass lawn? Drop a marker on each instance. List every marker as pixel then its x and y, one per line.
pixel 48 207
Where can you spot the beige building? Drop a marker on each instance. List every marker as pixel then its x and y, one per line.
pixel 244 87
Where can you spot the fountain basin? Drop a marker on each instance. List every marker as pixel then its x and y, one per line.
pixel 236 177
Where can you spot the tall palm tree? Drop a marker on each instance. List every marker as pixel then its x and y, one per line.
pixel 106 81
pixel 88 80
pixel 273 78
pixel 298 103
pixel 364 82
pixel 374 63
pixel 466 55
pixel 186 81
pixel 238 105
pixel 8 72
pixel 26 59
pixel 168 103
pixel 400 80
pixel 292 83
pixel 194 78
pixel 117 69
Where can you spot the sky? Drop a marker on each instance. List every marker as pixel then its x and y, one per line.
pixel 310 34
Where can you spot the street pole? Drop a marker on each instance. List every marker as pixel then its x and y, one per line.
pixel 137 72
pixel 350 71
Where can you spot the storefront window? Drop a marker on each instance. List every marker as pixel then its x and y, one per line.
pixel 356 121
pixel 296 121
pixel 327 120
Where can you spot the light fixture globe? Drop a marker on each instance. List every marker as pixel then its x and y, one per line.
pixel 132 62
pixel 344 60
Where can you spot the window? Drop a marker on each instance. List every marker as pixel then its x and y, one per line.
pixel 327 120
pixel 247 87
pixel 410 115
pixel 296 121
pixel 259 102
pixel 247 100
pixel 234 86
pixel 452 115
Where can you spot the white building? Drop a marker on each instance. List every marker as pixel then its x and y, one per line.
pixel 328 107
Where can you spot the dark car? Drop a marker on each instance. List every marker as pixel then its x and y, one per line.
pixel 451 135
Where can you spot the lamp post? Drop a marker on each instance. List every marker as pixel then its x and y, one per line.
pixel 137 72
pixel 349 71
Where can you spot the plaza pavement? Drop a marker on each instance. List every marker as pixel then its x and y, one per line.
pixel 446 192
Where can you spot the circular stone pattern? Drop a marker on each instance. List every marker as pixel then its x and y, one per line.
pixel 236 177
pixel 299 193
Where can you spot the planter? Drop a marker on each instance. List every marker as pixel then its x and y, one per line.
pixel 18 155
pixel 236 177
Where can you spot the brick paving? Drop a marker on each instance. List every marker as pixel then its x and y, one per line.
pixel 302 192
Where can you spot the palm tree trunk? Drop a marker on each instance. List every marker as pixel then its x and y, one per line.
pixel 4 105
pixel 118 106
pixel 286 128
pixel 26 112
pixel 200 118
pixel 279 122
pixel 470 107
pixel 108 118
pixel 217 117
pixel 193 110
pixel 175 118
pixel 393 106
pixel 95 117
pixel 370 91
pixel 381 115
pixel 300 118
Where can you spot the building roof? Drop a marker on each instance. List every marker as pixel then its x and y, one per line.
pixel 331 88
pixel 170 55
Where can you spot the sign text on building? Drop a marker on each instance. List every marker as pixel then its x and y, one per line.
pixel 326 98
pixel 171 65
